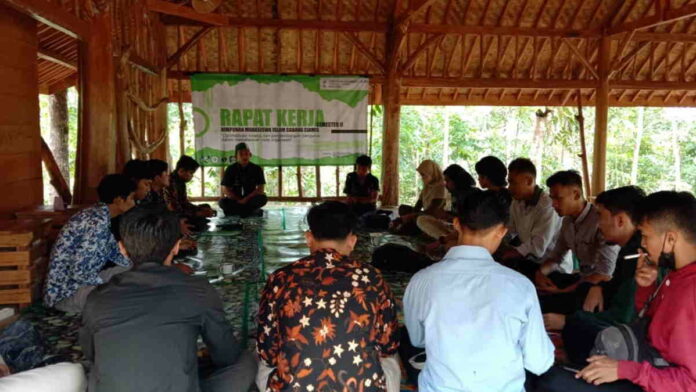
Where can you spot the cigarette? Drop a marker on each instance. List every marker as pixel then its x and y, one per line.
pixel 631 257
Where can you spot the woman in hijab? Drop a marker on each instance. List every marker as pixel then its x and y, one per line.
pixel 431 200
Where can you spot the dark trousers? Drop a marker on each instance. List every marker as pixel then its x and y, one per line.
pixel 360 209
pixel 564 303
pixel 579 334
pixel 558 379
pixel 234 378
pixel 232 207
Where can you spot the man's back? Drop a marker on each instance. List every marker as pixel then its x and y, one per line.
pixel 323 323
pixel 480 323
pixel 141 331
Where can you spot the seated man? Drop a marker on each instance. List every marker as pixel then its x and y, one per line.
pixel 325 320
pixel 85 245
pixel 618 224
pixel 669 237
pixel 141 329
pixel 362 188
pixel 243 185
pixel 579 286
pixel 175 196
pixel 532 218
pixel 160 180
pixel 479 321
pixel 141 174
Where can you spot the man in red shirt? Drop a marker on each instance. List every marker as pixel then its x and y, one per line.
pixel 669 237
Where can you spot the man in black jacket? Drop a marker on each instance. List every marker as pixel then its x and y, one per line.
pixel 141 329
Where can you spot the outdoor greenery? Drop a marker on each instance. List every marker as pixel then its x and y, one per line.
pixel 652 147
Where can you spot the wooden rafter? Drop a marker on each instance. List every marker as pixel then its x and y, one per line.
pixel 663 15
pixel 56 58
pixel 371 57
pixel 173 59
pixel 581 57
pixel 419 51
pixel 53 16
pixel 186 12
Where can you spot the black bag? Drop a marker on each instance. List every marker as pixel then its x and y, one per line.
pixel 629 342
pixel 394 257
pixel 377 220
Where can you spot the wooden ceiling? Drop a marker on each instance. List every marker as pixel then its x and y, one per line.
pixel 456 52
pixel 57 60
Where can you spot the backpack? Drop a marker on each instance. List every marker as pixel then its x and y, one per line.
pixel 395 257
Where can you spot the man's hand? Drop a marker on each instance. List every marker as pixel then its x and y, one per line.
pixel 601 370
pixel 646 275
pixel 543 282
pixel 594 300
pixel 4 371
pixel 186 229
pixel 554 321
pixel 243 200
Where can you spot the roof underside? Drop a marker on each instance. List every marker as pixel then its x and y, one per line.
pixel 455 52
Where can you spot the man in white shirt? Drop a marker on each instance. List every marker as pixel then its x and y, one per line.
pixel 480 322
pixel 532 217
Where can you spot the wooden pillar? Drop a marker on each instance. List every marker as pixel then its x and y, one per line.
pixel 96 150
pixel 391 118
pixel 161 125
pixel 20 135
pixel 390 141
pixel 601 118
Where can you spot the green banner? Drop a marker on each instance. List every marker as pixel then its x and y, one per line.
pixel 285 120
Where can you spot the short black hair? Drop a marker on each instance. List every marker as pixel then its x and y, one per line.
pixel 113 186
pixel 624 199
pixel 137 170
pixel 565 178
pixel 363 160
pixel 492 168
pixel 670 210
pixel 481 210
pixel 331 220
pixel 461 178
pixel 522 165
pixel 158 166
pixel 149 232
pixel 187 163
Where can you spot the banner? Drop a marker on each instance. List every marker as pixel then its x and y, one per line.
pixel 285 120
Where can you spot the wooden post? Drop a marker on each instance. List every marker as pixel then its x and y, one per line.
pixel 583 148
pixel 391 118
pixel 601 118
pixel 96 155
pixel 161 89
pixel 20 137
pixel 317 175
pixel 58 138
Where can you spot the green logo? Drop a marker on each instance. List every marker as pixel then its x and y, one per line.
pixel 205 117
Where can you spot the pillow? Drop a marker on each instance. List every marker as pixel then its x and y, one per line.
pixel 61 377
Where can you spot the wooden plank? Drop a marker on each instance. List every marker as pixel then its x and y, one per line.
pixel 14 277
pixel 183 11
pixel 174 59
pixel 15 296
pixel 52 15
pixel 56 58
pixel 559 84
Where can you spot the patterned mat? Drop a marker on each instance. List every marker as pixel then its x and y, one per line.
pixel 246 250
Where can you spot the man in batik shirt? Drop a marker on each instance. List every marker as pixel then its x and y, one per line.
pixel 325 321
pixel 85 245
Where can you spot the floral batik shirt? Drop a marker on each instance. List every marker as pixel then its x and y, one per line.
pixel 84 246
pixel 176 198
pixel 324 321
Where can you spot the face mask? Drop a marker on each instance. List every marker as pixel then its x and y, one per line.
pixel 666 259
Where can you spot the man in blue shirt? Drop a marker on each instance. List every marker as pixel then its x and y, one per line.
pixel 85 245
pixel 480 322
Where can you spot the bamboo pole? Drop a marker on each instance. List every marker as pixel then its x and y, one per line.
pixel 583 148
pixel 317 174
pixel 601 118
pixel 299 182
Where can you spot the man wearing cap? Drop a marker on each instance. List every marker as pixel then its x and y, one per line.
pixel 243 185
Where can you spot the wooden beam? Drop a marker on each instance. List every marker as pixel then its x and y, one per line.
pixel 183 11
pixel 419 51
pixel 56 58
pixel 57 180
pixel 556 84
pixel 52 15
pixel 143 65
pixel 365 51
pixel 173 59
pixel 580 57
pixel 599 158
pixel 651 85
pixel 496 30
pixel 662 16
pixel 325 25
pixel 68 82
pixel 669 37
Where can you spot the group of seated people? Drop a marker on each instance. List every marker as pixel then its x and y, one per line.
pixel 519 261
